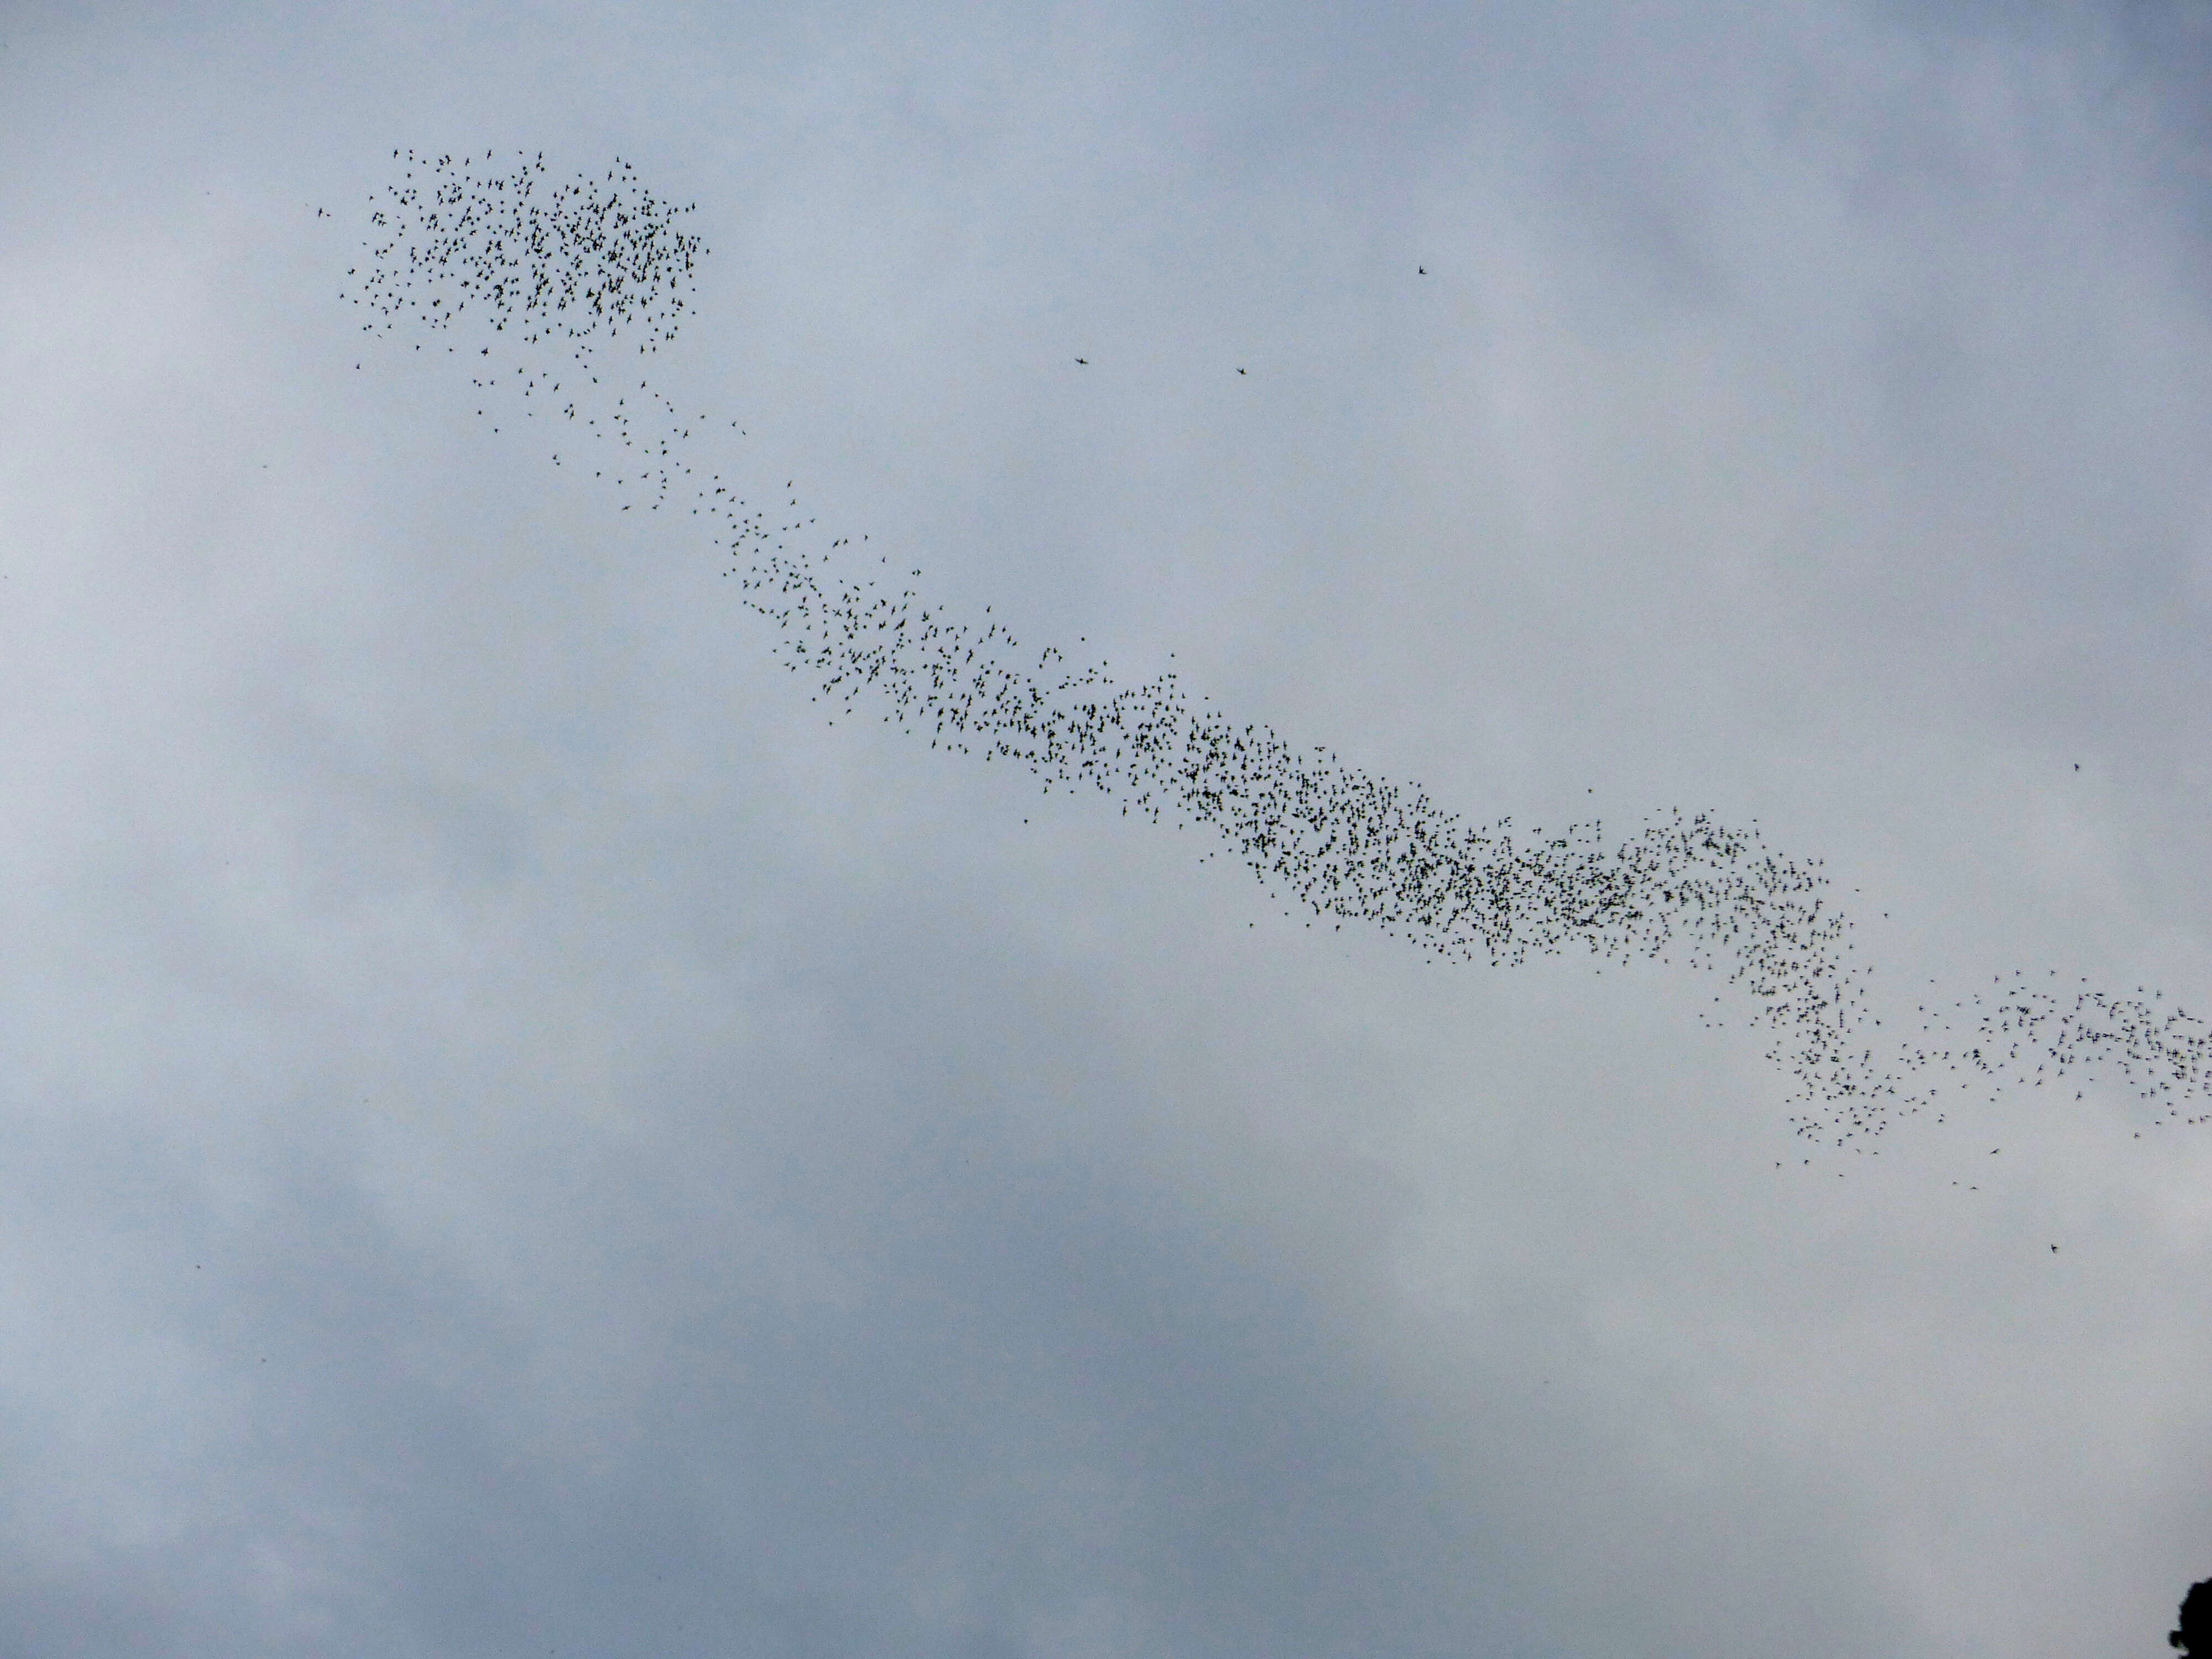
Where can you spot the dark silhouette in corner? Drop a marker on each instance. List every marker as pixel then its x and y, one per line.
pixel 2195 1636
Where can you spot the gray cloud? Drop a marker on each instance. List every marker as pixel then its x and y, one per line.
pixel 521 1137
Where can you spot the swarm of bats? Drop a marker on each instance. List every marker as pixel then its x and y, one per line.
pixel 545 285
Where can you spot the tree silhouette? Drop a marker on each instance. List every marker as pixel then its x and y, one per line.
pixel 2195 1636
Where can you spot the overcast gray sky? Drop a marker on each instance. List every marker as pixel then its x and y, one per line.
pixel 518 1137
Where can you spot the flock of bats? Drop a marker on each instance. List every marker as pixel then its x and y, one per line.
pixel 536 282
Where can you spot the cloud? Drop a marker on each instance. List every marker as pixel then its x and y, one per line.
pixel 521 1136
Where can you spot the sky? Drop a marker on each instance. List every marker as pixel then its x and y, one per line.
pixel 523 1132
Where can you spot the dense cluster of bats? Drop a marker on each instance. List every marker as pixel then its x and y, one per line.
pixel 554 291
